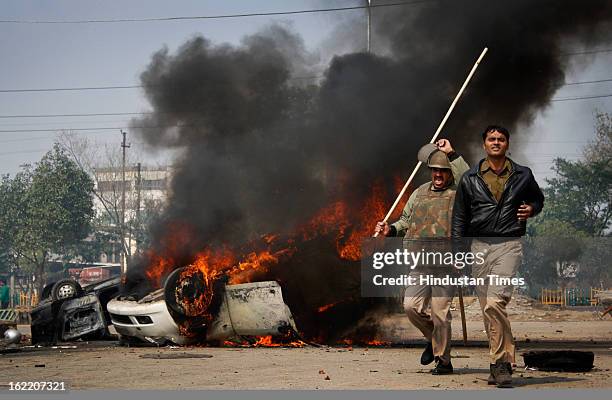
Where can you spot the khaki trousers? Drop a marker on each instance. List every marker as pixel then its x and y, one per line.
pixel 501 258
pixel 435 327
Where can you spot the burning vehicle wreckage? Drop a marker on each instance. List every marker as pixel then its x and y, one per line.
pixel 68 311
pixel 192 308
pixel 185 311
pixel 304 288
pixel 272 296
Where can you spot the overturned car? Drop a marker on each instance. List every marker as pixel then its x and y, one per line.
pixel 68 311
pixel 187 310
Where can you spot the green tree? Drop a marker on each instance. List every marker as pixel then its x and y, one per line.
pixel 581 192
pixel 574 226
pixel 12 195
pixel 45 210
pixel 600 149
pixel 581 195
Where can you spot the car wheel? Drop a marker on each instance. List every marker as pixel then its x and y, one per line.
pixel 65 289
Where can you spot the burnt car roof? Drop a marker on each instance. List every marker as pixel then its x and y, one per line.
pixel 92 287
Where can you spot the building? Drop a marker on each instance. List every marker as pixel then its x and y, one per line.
pixel 146 191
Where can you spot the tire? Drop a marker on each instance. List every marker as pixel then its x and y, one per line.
pixel 66 289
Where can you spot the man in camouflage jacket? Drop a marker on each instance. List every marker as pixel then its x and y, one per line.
pixel 427 215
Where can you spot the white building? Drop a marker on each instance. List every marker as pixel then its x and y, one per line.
pixel 146 189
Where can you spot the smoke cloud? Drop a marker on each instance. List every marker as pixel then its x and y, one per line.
pixel 263 152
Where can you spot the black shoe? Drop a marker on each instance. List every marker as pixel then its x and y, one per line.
pixel 442 369
pixel 491 378
pixel 502 371
pixel 427 357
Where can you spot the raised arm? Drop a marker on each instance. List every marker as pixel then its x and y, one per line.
pixel 458 166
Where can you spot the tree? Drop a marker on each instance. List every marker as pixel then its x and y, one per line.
pixel 600 149
pixel 580 195
pixel 45 210
pixel 574 225
pixel 12 203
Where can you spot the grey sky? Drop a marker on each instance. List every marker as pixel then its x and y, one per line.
pixel 86 55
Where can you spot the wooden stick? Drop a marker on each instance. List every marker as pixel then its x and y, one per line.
pixel 435 136
pixel 462 309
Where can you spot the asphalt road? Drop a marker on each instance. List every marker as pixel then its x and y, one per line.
pixel 107 365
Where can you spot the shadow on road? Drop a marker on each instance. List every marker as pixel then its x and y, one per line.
pixel 527 381
pixel 468 371
pixel 518 381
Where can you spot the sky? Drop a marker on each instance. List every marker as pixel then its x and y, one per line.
pixel 36 56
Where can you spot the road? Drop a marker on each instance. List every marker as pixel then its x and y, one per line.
pixel 107 365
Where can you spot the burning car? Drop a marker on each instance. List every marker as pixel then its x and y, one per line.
pixel 189 309
pixel 68 311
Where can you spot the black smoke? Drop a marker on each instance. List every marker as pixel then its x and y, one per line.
pixel 263 151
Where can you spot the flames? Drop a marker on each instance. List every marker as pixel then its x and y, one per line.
pixel 266 341
pixel 161 261
pixel 255 263
pixel 366 343
pixel 199 302
pixel 349 225
pixel 346 224
pixel 326 307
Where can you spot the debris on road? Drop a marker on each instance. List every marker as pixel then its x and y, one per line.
pixel 175 356
pixel 559 360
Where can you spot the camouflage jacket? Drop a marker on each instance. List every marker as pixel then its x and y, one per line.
pixel 428 212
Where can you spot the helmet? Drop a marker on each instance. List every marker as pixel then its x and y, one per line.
pixel 438 159
pixel 433 157
pixel 425 152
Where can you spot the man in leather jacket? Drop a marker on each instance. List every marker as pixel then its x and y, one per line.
pixel 493 201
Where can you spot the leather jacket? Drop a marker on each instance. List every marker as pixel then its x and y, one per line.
pixel 476 212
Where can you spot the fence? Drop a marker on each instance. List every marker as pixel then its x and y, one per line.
pixel 552 297
pixel 26 300
pixel 570 297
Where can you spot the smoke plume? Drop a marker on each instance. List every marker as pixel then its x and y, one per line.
pixel 263 152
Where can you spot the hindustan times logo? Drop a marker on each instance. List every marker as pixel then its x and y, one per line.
pixel 447 280
pixel 413 259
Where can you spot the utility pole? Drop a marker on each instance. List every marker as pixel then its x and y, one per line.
pixel 123 253
pixel 369 25
pixel 12 288
pixel 138 189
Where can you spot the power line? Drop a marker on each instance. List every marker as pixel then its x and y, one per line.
pixel 62 122
pixel 222 16
pixel 47 137
pixel 90 129
pixel 25 139
pixel 58 129
pixel 159 127
pixel 587 52
pixel 582 97
pixel 94 129
pixel 151 113
pixel 22 152
pixel 83 88
pixel 585 82
pixel 68 89
pixel 74 115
